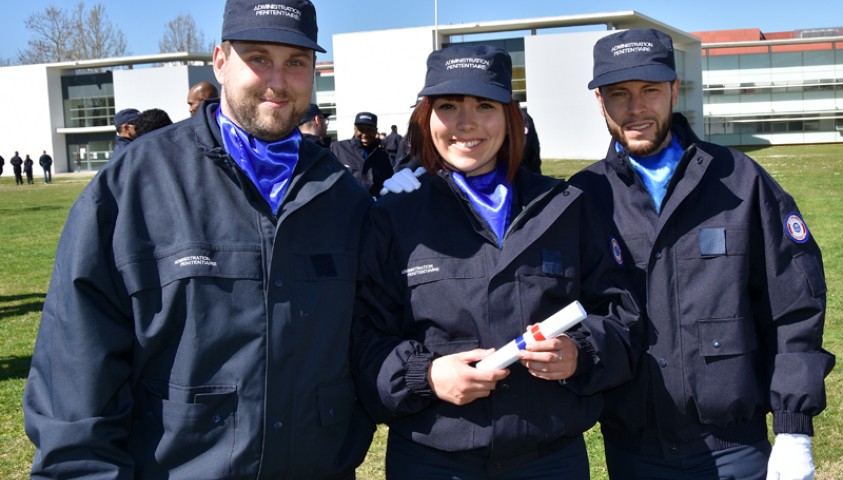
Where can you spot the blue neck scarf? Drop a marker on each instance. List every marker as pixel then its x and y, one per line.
pixel 491 196
pixel 657 170
pixel 269 165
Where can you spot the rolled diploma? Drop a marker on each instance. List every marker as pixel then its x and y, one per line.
pixel 551 327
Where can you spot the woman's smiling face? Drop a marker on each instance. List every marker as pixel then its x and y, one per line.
pixel 468 132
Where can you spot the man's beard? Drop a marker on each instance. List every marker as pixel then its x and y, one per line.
pixel 643 149
pixel 270 126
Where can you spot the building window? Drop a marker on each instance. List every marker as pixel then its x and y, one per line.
pixel 88 100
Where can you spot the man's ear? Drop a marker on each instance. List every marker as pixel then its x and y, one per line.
pixel 218 63
pixel 599 96
pixel 674 92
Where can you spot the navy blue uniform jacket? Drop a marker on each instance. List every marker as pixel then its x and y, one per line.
pixel 371 171
pixel 189 333
pixel 434 282
pixel 735 304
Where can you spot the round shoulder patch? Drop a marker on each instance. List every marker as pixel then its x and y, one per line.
pixel 617 254
pixel 796 228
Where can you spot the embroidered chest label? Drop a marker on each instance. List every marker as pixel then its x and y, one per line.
pixel 420 270
pixel 195 260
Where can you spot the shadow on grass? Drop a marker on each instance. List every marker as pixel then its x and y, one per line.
pixel 19 305
pixel 14 368
pixel 27 209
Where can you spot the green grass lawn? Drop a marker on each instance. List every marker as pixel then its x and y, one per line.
pixel 32 217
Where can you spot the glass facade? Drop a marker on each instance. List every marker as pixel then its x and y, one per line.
pixel 88 152
pixel 88 100
pixel 774 96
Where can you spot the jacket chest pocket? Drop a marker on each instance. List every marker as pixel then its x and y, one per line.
pixel 195 288
pixel 200 261
pixel 446 292
pixel 714 272
pixel 321 287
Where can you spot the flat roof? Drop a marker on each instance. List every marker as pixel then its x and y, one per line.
pixel 132 60
pixel 621 20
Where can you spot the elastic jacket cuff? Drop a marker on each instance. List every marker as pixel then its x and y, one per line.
pixel 587 357
pixel 418 365
pixel 792 422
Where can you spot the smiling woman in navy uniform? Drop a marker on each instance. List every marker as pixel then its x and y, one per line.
pixel 483 249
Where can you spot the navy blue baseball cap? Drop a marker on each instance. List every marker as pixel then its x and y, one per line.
pixel 312 112
pixel 477 70
pixel 644 54
pixel 366 118
pixel 127 115
pixel 291 22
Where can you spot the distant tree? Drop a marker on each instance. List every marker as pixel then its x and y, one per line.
pixel 97 37
pixel 54 30
pixel 182 35
pixel 61 35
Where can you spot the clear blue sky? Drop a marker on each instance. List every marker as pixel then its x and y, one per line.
pixel 143 21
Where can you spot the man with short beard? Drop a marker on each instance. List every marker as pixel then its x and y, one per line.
pixel 197 323
pixel 731 280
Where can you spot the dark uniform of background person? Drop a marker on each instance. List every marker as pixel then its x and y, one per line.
pixel 16 162
pixel 2 162
pixel 197 323
pixel 27 169
pixel 46 163
pixel 124 122
pixel 314 126
pixel 731 280
pixel 532 147
pixel 392 143
pixel 363 155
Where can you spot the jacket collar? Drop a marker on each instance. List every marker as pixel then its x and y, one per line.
pixel 314 171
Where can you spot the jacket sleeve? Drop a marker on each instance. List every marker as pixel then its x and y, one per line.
pixel 390 368
pixel 610 341
pixel 791 299
pixel 78 402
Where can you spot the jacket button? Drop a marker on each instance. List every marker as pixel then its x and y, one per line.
pixel 277 425
pixel 658 255
pixel 662 362
pixel 716 343
pixel 216 418
pixel 278 282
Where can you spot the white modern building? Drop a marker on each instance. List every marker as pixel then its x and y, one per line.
pixel 739 87
pixel 67 108
pixel 773 88
pixel 383 71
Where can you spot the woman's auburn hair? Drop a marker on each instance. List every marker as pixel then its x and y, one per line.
pixel 421 138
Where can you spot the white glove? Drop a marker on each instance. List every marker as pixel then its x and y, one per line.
pixel 403 181
pixel 791 458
